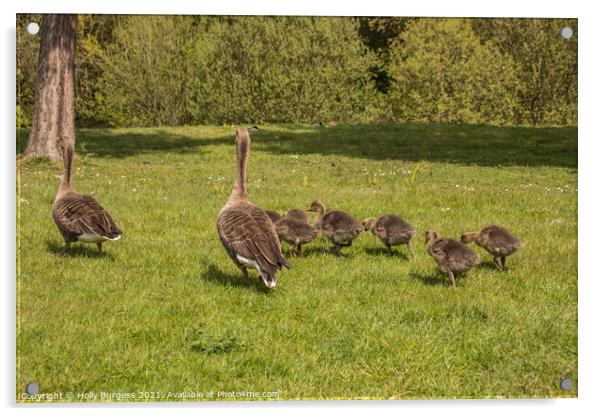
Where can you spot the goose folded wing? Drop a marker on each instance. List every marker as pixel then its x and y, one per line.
pixel 251 234
pixel 86 215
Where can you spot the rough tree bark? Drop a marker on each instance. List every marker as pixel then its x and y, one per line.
pixel 53 118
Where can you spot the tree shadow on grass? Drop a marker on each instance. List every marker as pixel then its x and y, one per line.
pixel 217 276
pixel 79 250
pixel 121 143
pixel 460 144
pixel 382 251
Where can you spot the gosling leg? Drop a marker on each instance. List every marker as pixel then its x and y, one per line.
pixel 65 249
pixel 336 249
pixel 453 279
pixel 497 263
pixel 410 250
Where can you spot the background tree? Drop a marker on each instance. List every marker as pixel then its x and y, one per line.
pixel 547 65
pixel 28 48
pixel 53 117
pixel 285 69
pixel 442 73
pixel 174 70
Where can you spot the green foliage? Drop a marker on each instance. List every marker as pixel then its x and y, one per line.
pixel 366 324
pixel 287 69
pixel 27 63
pixel 547 65
pixel 177 70
pixel 443 74
pixel 147 72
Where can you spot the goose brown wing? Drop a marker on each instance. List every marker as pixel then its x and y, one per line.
pixel 79 214
pixel 247 230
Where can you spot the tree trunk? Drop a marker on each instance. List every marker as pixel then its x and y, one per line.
pixel 53 118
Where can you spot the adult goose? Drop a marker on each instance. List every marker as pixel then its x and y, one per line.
pixel 337 226
pixel 392 230
pixel 451 256
pixel 80 217
pixel 497 240
pixel 245 230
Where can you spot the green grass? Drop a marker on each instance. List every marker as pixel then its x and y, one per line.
pixel 165 310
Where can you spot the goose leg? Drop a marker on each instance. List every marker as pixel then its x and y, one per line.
pixel 245 274
pixel 99 245
pixel 410 250
pixel 65 249
pixel 389 248
pixel 503 262
pixel 291 250
pixel 453 279
pixel 298 250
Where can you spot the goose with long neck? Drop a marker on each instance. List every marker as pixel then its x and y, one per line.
pixel 246 231
pixel 80 217
pixel 338 227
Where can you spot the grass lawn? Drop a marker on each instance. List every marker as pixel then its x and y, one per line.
pixel 165 310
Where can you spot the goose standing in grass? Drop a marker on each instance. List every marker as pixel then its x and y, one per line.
pixel 245 230
pixel 80 217
pixel 274 216
pixel 295 232
pixel 392 230
pixel 451 256
pixel 498 241
pixel 337 226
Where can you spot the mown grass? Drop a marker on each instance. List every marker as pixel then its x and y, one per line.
pixel 165 310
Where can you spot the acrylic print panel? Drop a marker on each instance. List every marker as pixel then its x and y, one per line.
pixel 384 150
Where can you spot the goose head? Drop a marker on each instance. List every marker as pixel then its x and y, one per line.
pixel 430 236
pixel 468 237
pixel 318 207
pixel 368 223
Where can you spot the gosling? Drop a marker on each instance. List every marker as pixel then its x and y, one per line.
pixel 452 257
pixel 338 227
pixel 497 241
pixel 391 230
